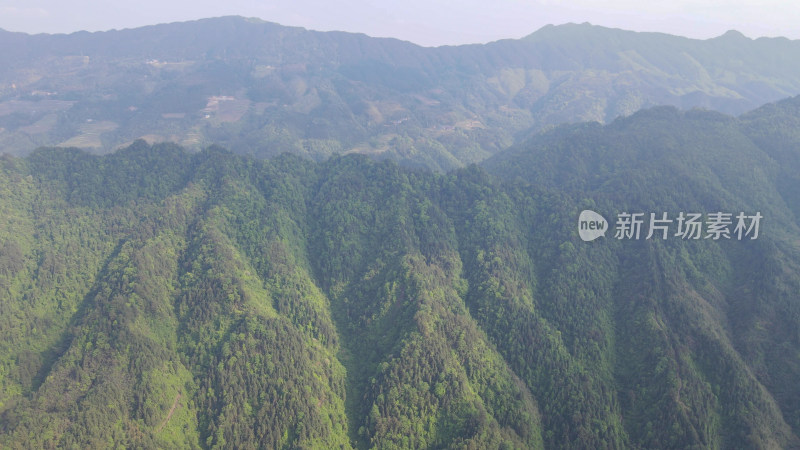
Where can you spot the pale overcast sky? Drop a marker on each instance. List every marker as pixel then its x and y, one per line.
pixel 425 22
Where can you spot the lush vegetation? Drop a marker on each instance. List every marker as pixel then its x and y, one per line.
pixel 155 298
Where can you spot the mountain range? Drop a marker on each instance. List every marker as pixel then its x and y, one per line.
pixel 160 298
pixel 261 89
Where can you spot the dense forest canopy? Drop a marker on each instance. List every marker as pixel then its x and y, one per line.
pixel 155 297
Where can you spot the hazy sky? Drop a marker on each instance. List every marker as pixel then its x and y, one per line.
pixel 425 22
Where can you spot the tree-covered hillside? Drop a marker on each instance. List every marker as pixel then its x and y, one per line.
pixel 155 298
pixel 262 89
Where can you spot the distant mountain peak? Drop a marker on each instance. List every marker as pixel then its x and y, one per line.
pixel 733 34
pixel 318 93
pixel 564 27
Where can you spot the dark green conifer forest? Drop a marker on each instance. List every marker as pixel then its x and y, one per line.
pixel 158 298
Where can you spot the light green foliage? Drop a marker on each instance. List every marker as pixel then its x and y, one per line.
pixel 158 299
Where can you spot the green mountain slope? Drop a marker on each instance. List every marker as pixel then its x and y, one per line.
pixel 263 89
pixel 157 298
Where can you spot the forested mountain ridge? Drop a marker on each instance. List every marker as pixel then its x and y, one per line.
pixel 263 89
pixel 158 298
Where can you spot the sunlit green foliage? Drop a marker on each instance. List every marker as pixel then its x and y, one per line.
pixel 159 299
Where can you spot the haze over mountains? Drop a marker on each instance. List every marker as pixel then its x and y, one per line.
pixel 155 295
pixel 260 88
